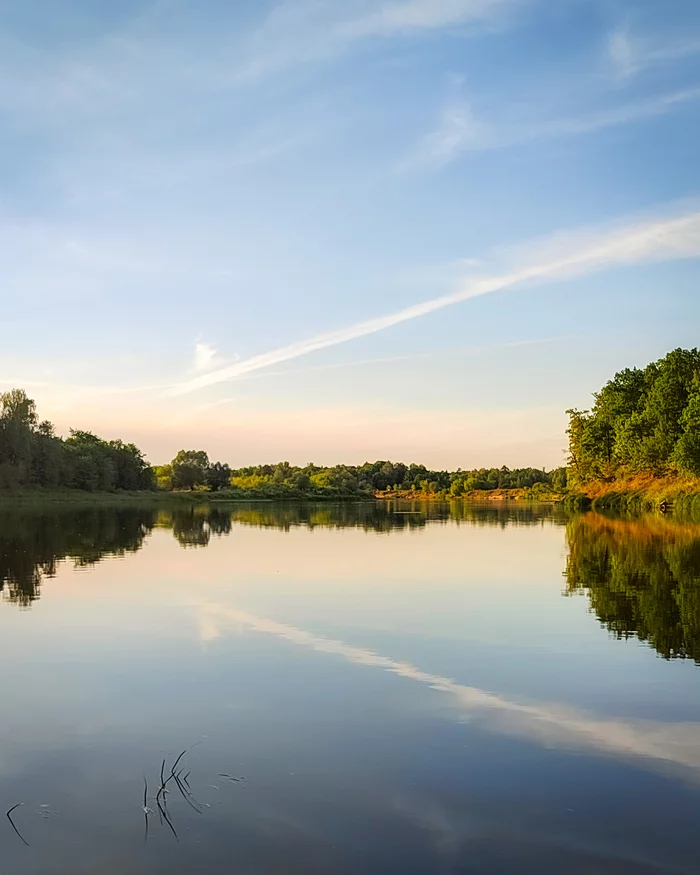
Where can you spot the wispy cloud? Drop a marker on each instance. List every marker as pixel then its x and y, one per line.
pixel 622 54
pixel 414 15
pixel 615 116
pixel 460 130
pixel 204 356
pixel 629 54
pixel 560 257
pixel 301 31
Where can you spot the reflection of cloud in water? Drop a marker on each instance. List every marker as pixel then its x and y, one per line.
pixel 672 743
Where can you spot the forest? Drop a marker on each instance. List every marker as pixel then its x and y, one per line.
pixel 643 420
pixel 32 455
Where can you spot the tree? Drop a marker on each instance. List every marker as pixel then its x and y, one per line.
pixel 18 421
pixel 163 476
pixel 218 476
pixel 189 469
pixel 642 420
pixel 559 479
pixel 687 450
pixel 457 486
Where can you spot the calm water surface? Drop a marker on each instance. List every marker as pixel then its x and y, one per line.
pixel 409 689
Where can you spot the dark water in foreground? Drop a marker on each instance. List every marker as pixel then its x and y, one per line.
pixel 369 689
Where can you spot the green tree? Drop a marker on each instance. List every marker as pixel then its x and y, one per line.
pixel 163 476
pixel 686 453
pixel 218 476
pixel 190 469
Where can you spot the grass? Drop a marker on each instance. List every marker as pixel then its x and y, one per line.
pixel 644 491
pixel 76 497
pixel 40 497
pixel 527 493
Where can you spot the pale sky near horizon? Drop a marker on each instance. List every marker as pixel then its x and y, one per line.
pixel 338 231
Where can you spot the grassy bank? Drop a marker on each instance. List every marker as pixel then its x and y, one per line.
pixel 640 492
pixel 539 492
pixel 43 497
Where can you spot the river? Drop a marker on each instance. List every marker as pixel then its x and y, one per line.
pixel 355 688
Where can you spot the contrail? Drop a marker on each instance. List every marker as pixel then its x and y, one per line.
pixel 660 240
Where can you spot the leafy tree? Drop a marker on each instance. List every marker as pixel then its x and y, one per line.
pixel 189 469
pixel 686 453
pixel 559 478
pixel 218 476
pixel 32 455
pixel 163 475
pixel 642 420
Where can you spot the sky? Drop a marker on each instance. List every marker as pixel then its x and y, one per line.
pixel 322 231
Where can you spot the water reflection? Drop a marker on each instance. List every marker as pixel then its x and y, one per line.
pixel 33 541
pixel 642 577
pixel 668 744
pixel 32 544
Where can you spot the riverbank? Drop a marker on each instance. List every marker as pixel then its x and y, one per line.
pixel 644 491
pixel 479 496
pixel 39 496
pixel 80 497
pixel 639 492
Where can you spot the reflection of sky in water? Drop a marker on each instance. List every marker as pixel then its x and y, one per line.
pixel 413 701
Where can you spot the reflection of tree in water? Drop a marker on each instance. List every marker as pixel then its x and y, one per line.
pixel 386 516
pixel 642 578
pixel 32 543
pixel 194 525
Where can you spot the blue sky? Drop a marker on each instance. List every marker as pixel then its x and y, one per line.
pixel 415 230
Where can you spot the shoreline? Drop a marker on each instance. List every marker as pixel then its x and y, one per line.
pixel 76 496
pixel 638 492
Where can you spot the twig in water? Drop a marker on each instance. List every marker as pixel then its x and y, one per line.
pixel 164 812
pixel 146 809
pixel 162 791
pixel 12 823
pixel 183 786
pixel 175 764
pixel 189 799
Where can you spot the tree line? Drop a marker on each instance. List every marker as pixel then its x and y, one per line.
pixel 31 454
pixel 644 419
pixel 192 470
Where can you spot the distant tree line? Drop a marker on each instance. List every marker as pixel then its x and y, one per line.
pixel 31 454
pixel 191 469
pixel 644 419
